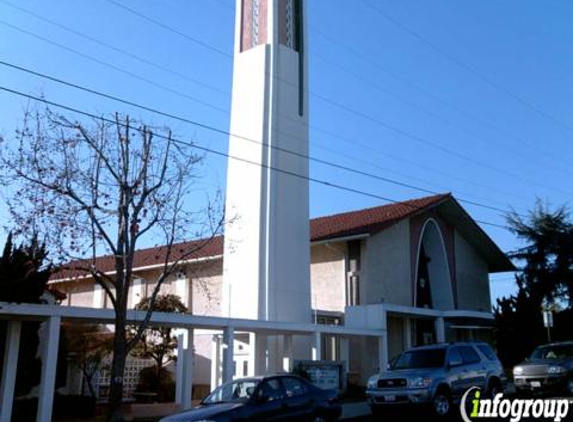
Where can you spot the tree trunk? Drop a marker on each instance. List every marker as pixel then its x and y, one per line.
pixel 117 369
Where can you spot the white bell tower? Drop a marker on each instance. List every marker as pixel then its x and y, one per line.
pixel 267 252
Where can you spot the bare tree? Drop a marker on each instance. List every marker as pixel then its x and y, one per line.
pixel 101 189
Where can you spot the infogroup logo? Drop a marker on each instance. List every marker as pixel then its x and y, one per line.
pixel 514 409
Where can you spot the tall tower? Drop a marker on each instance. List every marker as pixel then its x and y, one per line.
pixel 266 261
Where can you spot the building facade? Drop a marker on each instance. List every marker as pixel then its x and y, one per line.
pixel 418 269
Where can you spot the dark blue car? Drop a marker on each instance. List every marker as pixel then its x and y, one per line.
pixel 270 398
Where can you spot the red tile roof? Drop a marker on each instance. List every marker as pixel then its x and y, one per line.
pixel 369 220
pixel 365 221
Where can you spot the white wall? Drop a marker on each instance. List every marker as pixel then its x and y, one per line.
pixel 327 275
pixel 472 277
pixel 386 268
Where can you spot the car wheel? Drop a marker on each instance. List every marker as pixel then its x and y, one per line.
pixel 493 388
pixel 442 403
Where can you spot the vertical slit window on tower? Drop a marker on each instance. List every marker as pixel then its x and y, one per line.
pixel 255 37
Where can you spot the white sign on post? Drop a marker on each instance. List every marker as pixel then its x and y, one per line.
pixel 548 319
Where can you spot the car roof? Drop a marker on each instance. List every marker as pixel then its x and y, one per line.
pixel 266 376
pixel 446 345
pixel 558 343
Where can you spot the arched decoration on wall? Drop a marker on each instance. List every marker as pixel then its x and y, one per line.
pixel 433 284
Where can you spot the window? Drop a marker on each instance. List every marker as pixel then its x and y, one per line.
pixel 469 355
pixel 487 352
pixel 425 358
pixel 272 389
pixel 454 357
pixel 294 387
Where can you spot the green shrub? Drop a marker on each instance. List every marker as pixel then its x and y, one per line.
pixel 149 383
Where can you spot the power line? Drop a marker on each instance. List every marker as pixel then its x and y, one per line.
pixel 179 93
pixel 467 67
pixel 435 97
pixel 228 133
pixel 116 49
pixel 318 96
pixel 430 113
pixel 114 67
pixel 171 29
pixel 146 61
pixel 226 155
pixel 375 120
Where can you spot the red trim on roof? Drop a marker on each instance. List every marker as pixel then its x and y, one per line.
pixel 365 221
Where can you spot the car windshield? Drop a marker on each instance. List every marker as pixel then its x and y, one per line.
pixel 559 351
pixel 427 358
pixel 235 392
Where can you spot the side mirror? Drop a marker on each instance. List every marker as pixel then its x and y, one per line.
pixel 454 363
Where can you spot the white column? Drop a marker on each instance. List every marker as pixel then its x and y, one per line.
pixel 287 352
pixel 180 369
pixel 440 330
pixel 228 353
pixel 136 289
pixel 215 362
pixel 48 377
pixel 407 330
pixel 316 346
pixel 9 370
pixel 260 354
pixel 345 352
pixel 188 355
pixel 383 351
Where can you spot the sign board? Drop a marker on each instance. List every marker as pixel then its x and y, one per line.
pixel 548 319
pixel 322 374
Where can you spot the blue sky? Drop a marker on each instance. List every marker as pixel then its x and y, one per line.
pixel 465 97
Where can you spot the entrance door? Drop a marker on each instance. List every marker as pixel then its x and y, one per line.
pixel 425 332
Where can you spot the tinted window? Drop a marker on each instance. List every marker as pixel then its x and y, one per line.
pixel 469 355
pixel 454 357
pixel 272 389
pixel 294 387
pixel 558 351
pixel 236 391
pixel 427 358
pixel 487 352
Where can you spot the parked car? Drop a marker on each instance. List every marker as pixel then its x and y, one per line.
pixel 436 376
pixel 548 369
pixel 271 398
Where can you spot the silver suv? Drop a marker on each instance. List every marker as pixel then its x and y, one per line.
pixel 436 375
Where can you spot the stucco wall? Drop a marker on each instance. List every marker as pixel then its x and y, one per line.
pixel 327 277
pixel 386 272
pixel 80 293
pixel 472 277
pixel 207 288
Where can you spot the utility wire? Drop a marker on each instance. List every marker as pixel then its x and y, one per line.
pixel 226 155
pixel 117 49
pixel 228 133
pixel 430 113
pixel 171 29
pixel 404 100
pixel 438 99
pixel 320 97
pixel 211 87
pixel 467 67
pixel 146 80
pixel 362 115
pixel 114 67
